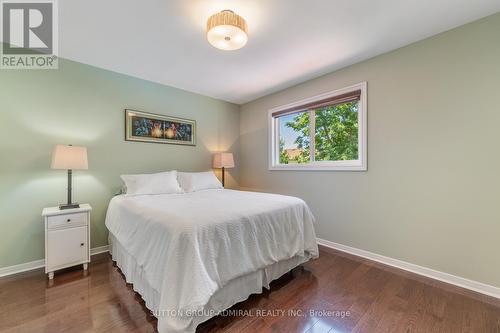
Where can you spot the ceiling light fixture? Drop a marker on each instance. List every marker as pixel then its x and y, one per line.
pixel 227 31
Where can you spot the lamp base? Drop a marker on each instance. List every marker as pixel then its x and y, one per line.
pixel 69 206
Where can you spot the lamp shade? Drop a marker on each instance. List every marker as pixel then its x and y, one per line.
pixel 227 31
pixel 223 160
pixel 69 158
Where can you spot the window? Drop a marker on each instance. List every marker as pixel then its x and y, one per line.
pixel 325 132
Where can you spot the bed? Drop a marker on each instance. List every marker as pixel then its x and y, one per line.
pixel 192 255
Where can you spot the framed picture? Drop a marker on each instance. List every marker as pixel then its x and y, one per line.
pixel 149 127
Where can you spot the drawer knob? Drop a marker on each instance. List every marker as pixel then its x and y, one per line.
pixel 68 220
pixel 82 244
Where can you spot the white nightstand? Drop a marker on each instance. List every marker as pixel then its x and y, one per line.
pixel 67 238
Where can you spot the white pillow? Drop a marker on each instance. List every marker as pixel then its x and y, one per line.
pixel 197 181
pixel 156 183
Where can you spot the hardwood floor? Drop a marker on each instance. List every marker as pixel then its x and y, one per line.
pixel 362 296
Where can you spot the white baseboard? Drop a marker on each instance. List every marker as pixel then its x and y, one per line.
pixel 99 249
pixel 420 270
pixel 428 272
pixel 29 266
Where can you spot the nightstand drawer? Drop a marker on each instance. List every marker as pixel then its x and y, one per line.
pixel 70 220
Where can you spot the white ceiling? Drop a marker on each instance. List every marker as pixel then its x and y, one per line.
pixel 290 41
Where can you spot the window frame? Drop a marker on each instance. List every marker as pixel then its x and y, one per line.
pixel 352 165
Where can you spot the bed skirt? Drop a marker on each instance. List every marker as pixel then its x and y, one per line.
pixel 236 290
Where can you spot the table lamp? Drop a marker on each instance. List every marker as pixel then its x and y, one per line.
pixel 223 161
pixel 69 158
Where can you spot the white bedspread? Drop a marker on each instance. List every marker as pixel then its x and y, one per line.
pixel 190 245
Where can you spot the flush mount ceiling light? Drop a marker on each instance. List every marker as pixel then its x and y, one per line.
pixel 227 30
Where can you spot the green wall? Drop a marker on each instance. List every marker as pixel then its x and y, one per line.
pixel 83 105
pixel 431 195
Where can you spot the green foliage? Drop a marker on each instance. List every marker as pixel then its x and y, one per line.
pixel 336 136
pixel 283 154
pixel 301 124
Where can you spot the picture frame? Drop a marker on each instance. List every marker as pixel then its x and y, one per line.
pixel 155 128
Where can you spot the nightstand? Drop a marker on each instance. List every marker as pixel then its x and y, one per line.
pixel 67 238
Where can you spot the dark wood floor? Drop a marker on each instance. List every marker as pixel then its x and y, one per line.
pixel 361 296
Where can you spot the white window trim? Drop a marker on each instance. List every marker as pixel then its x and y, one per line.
pixel 355 165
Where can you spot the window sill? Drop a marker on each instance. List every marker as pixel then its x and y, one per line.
pixel 310 167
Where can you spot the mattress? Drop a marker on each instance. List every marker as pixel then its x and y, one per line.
pixel 196 252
